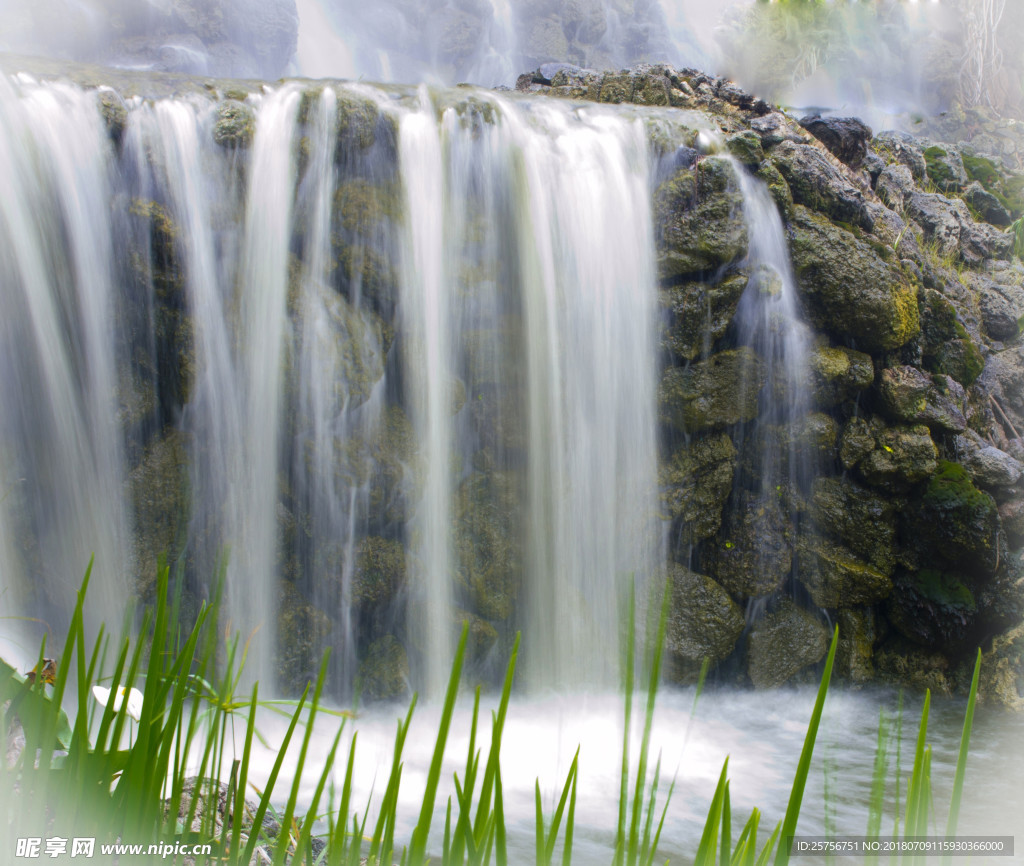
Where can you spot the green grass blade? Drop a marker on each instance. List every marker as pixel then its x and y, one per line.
pixel 418 846
pixel 261 809
pixel 707 849
pixel 726 828
pixel 627 672
pixel 804 764
pixel 881 769
pixel 961 759
pixel 769 846
pixel 539 824
pixel 500 838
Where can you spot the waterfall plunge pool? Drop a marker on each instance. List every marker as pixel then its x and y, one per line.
pixel 762 734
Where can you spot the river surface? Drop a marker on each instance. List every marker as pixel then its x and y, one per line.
pixel 762 734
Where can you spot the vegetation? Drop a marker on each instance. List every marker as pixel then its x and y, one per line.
pixel 78 780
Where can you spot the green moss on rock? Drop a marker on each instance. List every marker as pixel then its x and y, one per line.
pixel 835 577
pixel 699 219
pixel 384 671
pixel 701 314
pixel 723 390
pixel 695 483
pixel 488 542
pixel 837 374
pixel 852 293
pixel 704 622
pixel 783 643
pixel 235 125
pixel 863 520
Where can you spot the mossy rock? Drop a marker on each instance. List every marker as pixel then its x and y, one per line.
pixel 369 273
pixel 863 520
pixel 902 457
pixel 746 147
pixel 814 436
pixel 695 483
pixel 907 665
pixel 114 113
pixel 777 186
pixel 699 220
pixel 852 293
pixel 701 314
pixel 379 572
pixel 703 623
pixel 752 555
pixel 488 542
pixel 782 644
pixel 1001 681
pixel 837 374
pixel 819 185
pixel 302 632
pixel 358 123
pixel 857 634
pixel 946 345
pixel 912 396
pixel 721 391
pixel 957 525
pixel 235 125
pixel 384 671
pixel 160 495
pixel 499 419
pixel 366 210
pixel 835 577
pixel 384 460
pixel 945 168
pixel 932 608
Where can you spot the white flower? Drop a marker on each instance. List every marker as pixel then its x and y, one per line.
pixel 102 695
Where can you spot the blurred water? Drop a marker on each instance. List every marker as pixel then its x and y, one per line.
pixel 762 734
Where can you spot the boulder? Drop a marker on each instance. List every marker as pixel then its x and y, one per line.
pixel 752 555
pixel 837 374
pixel 746 147
pixel 773 129
pixel 946 345
pixel 695 483
pixel 817 183
pixel 894 186
pixel 863 520
pixel 703 622
pixel 846 137
pixel 912 396
pixel 956 525
pixel 721 391
pixel 783 643
pixel 905 664
pixel 835 577
pixel 899 147
pixel 1001 305
pixel 701 314
pixel 384 671
pixel 379 572
pixel 699 220
pixel 986 465
pixel 235 125
pixel 932 608
pixel 986 205
pixel 939 217
pixel 852 292
pixel 902 457
pixel 302 632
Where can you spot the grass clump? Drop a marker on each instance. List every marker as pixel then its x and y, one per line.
pixel 85 783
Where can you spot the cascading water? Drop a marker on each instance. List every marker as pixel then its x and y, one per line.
pixel 508 443
pixel 63 468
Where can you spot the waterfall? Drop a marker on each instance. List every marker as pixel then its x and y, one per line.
pixel 61 456
pixel 342 330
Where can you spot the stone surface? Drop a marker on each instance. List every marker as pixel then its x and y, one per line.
pixel 817 184
pixel 753 554
pixel 711 394
pixel 698 215
pixel 846 137
pixel 695 483
pixel 857 296
pixel 835 577
pixel 863 520
pixel 783 643
pixel 913 396
pixel 701 314
pixel 703 623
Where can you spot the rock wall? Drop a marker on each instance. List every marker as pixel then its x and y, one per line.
pixel 910 536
